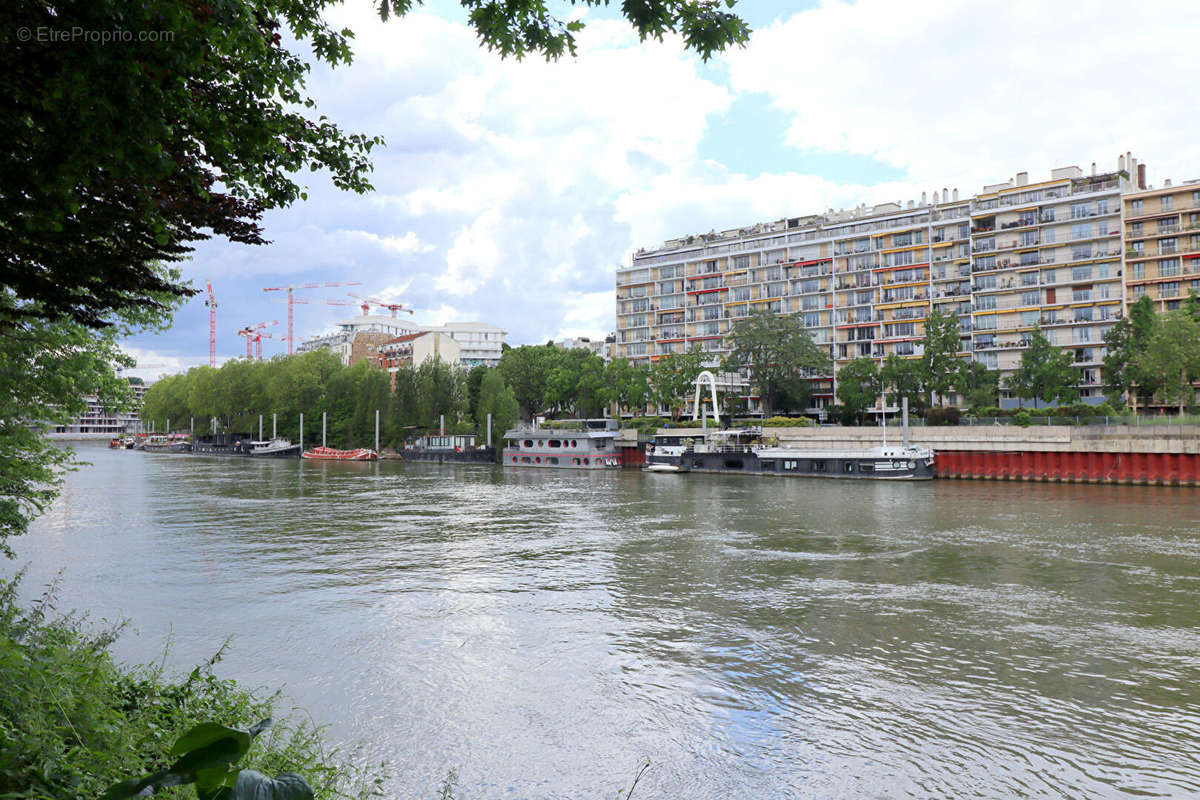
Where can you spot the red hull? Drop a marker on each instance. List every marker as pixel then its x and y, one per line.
pixel 329 454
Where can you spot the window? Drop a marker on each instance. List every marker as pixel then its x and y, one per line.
pixel 1082 294
pixel 1137 271
pixel 1102 206
pixel 1081 273
pixel 1083 314
pixel 1168 246
pixel 1080 210
pixel 1170 289
pixel 812 320
pixel 1137 229
pixel 1196 198
pixel 1029 318
pixel 1080 252
pixel 1081 230
pixel 985 282
pixel 555 443
pixel 986 323
pixel 1137 291
pixel 1135 207
pixel 1029 298
pixel 741 262
pixel 986 302
pixel 1168 268
pixel 1167 202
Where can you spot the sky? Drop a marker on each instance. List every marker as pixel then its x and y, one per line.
pixel 509 192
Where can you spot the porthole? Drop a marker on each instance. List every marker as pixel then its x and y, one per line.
pixel 585 461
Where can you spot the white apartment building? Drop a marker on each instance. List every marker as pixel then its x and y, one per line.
pixel 864 280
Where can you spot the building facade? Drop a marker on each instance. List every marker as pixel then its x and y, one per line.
pixel 478 342
pixel 1162 244
pixel 99 422
pixel 414 349
pixel 1015 256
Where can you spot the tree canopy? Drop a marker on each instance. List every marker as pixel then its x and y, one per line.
pixel 858 385
pixel 779 354
pixel 1045 372
pixel 121 155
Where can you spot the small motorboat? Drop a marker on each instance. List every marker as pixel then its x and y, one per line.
pixel 330 454
pixel 274 448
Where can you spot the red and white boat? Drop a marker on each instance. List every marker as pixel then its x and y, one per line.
pixel 329 454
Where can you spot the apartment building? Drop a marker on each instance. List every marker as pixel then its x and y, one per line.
pixel 1162 243
pixel 1015 256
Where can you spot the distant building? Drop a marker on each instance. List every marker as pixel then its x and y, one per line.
pixel 478 342
pixel 99 422
pixel 414 349
pixel 600 347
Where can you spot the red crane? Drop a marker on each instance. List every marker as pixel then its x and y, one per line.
pixel 291 300
pixel 258 337
pixel 251 332
pixel 393 307
pixel 211 302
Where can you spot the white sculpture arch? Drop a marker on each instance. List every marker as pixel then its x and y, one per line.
pixel 712 385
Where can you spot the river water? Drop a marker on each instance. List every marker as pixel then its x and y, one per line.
pixel 544 632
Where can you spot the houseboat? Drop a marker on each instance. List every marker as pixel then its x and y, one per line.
pixel 162 443
pixel 748 451
pixel 331 454
pixel 222 444
pixel 586 444
pixel 274 448
pixel 448 449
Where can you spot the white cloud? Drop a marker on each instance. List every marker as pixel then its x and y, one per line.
pixel 965 92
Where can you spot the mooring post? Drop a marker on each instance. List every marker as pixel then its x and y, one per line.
pixel 441 424
pixel 489 429
pixel 168 431
pixel 377 430
pixel 904 411
pixel 272 425
pixel 301 431
pixel 323 413
pixel 192 426
pixel 260 427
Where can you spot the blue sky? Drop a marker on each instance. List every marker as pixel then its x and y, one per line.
pixel 509 192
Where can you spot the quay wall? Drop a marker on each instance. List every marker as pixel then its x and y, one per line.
pixel 1143 454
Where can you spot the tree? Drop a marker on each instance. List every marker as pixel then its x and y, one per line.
pixel 903 377
pixel 527 370
pixel 496 399
pixel 1124 344
pixel 1045 373
pixel 778 353
pixel 196 126
pixel 858 385
pixel 1172 358
pixel 672 380
pixel 979 386
pixel 939 362
pixel 629 385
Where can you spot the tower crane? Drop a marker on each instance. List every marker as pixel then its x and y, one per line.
pixel 251 334
pixel 211 302
pixel 291 300
pixel 374 301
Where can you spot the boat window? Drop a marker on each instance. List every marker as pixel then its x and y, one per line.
pixel 575 461
pixel 767 466
pixel 866 468
pixel 601 444
pixel 574 443
pixel 541 443
pixel 525 460
pixel 849 466
pixel 538 460
pixel 514 459
pixel 818 466
pixel 555 443
pixel 552 460
pixel 529 443
pixel 585 461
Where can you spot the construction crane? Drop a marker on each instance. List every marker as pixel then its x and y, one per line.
pixel 250 332
pixel 258 337
pixel 211 302
pixel 291 300
pixel 374 301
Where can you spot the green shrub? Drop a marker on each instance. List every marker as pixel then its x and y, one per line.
pixel 73 723
pixel 943 416
pixel 1023 418
pixel 787 422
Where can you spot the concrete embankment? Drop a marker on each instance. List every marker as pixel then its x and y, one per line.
pixel 1156 454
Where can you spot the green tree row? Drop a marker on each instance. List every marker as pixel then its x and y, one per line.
pixel 1154 357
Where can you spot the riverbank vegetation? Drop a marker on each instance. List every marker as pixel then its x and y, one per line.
pixel 74 723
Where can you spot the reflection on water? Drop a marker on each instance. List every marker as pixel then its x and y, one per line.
pixel 753 637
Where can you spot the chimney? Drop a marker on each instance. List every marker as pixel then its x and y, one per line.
pixel 911 204
pixel 1093 169
pixel 1141 176
pixel 1167 183
pixel 956 195
pixel 924 202
pixel 1022 179
pixel 945 195
pixel 1120 163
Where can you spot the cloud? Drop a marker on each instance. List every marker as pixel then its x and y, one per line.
pixel 963 93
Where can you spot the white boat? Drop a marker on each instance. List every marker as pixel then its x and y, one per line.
pixel 274 448
pixel 586 444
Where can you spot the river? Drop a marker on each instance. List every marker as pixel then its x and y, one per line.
pixel 543 632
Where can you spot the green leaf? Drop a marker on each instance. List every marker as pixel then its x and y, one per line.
pixel 253 785
pixel 205 734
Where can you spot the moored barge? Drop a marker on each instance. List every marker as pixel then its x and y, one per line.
pixel 589 445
